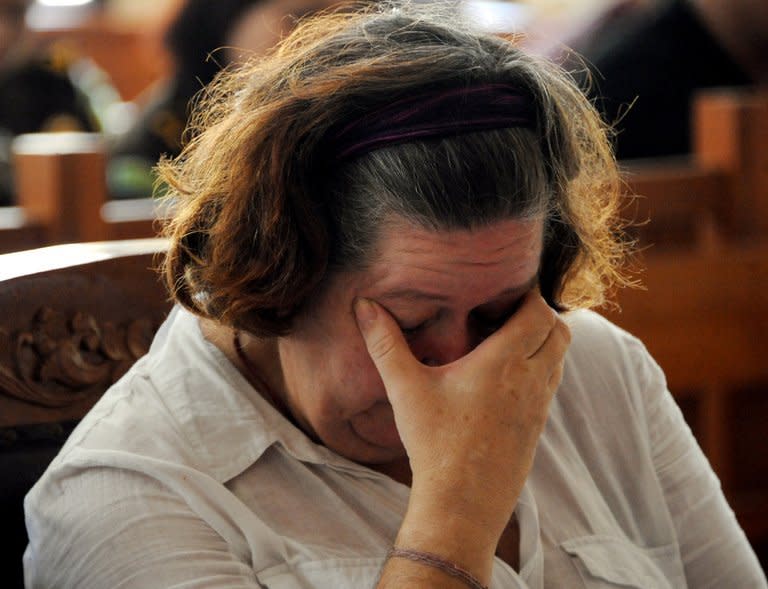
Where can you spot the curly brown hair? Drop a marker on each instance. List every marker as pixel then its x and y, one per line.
pixel 264 214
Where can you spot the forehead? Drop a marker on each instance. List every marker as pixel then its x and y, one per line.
pixel 481 244
pixel 506 251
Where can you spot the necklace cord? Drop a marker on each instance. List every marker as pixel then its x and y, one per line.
pixel 262 385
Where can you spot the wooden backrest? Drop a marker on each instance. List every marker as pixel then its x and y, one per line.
pixel 703 316
pixel 718 192
pixel 731 137
pixel 74 319
pixel 61 183
pixel 18 232
pixel 62 197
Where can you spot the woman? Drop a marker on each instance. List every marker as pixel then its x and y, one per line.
pixel 379 232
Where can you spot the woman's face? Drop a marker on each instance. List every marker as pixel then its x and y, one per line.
pixel 448 290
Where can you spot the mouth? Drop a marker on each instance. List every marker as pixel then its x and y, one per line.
pixel 376 426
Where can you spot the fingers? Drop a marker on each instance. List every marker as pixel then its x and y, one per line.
pixel 535 334
pixel 559 337
pixel 385 343
pixel 555 347
pixel 527 330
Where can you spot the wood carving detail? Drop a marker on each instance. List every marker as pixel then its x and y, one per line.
pixel 60 360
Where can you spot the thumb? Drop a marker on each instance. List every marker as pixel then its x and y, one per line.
pixel 385 343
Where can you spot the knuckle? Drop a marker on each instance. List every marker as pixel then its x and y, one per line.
pixel 556 376
pixel 543 309
pixel 531 375
pixel 564 330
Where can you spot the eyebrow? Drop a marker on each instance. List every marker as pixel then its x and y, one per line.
pixel 413 294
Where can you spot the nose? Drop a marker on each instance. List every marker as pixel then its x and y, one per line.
pixel 443 348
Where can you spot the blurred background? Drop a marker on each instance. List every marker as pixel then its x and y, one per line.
pixel 126 69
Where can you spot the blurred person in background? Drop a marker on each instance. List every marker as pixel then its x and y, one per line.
pixel 37 89
pixel 204 38
pixel 649 58
pixel 44 87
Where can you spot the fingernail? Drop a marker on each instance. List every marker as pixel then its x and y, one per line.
pixel 365 312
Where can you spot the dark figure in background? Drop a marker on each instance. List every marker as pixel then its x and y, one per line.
pixel 36 90
pixel 204 38
pixel 655 55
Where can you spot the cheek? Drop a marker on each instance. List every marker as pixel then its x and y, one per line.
pixel 359 384
pixel 340 383
pixel 328 369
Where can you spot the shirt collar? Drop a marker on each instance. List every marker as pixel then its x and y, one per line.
pixel 226 421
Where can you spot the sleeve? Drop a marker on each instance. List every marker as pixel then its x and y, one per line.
pixel 713 547
pixel 115 528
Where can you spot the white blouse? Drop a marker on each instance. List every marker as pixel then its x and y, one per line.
pixel 183 476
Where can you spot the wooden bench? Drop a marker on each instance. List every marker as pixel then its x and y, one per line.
pixel 704 309
pixel 62 196
pixel 703 315
pixel 74 318
pixel 18 232
pixel 78 293
pixel 718 192
pixel 61 184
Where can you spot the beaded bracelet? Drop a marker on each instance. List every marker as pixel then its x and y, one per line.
pixel 435 561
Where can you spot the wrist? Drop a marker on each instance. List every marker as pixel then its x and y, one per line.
pixel 446 567
pixel 474 506
pixel 452 534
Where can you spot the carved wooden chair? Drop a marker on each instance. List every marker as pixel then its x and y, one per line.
pixel 73 319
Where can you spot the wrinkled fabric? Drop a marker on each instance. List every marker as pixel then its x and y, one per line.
pixel 183 476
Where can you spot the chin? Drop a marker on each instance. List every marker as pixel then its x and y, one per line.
pixel 365 452
pixel 384 456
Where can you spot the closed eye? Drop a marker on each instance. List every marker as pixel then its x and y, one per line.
pixel 489 323
pixel 413 329
pixel 408 331
pixel 488 326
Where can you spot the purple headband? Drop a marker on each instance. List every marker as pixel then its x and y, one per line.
pixel 440 113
